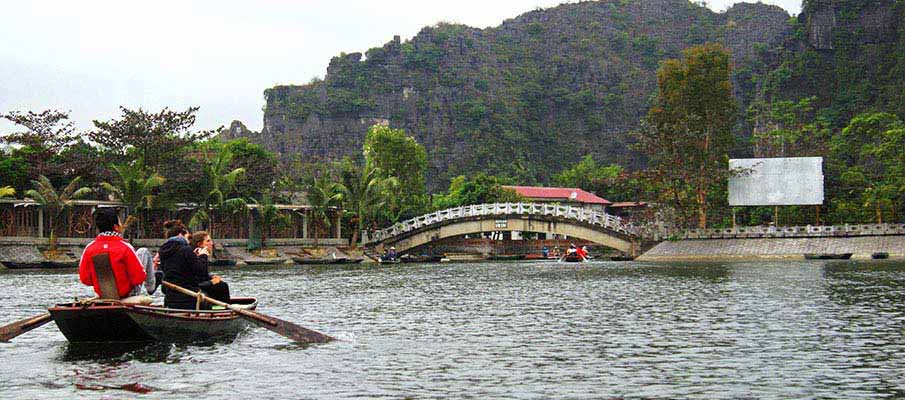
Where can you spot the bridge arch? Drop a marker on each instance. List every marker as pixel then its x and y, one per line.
pixel 594 226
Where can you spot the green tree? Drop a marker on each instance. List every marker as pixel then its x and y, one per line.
pixel 219 183
pixel 46 135
pixel 364 193
pixel 54 202
pixel 787 128
pixel 866 161
pixel 154 138
pixel 135 188
pixel 261 167
pixel 609 181
pixel 479 189
pixel 397 155
pixel 687 133
pixel 323 195
pixel 266 217
pixel 14 171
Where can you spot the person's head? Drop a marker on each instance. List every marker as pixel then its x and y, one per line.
pixel 201 239
pixel 106 219
pixel 175 227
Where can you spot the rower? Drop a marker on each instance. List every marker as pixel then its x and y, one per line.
pixel 128 271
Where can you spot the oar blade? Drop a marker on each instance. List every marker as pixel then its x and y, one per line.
pixel 10 331
pixel 297 333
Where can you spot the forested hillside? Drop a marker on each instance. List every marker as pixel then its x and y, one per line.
pixel 534 95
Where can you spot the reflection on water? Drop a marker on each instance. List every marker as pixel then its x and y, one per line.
pixel 504 330
pixel 118 353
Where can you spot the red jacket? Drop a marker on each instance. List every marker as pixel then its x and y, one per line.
pixel 127 270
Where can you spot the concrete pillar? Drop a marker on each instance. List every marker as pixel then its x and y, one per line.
pixel 338 227
pixel 40 222
pixel 305 224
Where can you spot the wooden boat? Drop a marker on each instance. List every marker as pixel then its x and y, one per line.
pixel 326 260
pixel 388 260
pixel 573 257
pixel 266 261
pixel 41 264
pixel 505 257
pixel 115 321
pixel 222 262
pixel 827 256
pixel 420 259
pixel 880 255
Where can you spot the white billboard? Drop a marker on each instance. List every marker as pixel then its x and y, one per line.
pixel 776 181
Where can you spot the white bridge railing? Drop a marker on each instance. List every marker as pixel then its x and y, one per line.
pixel 583 215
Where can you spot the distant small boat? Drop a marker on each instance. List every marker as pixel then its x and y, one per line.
pixel 880 255
pixel 222 262
pixel 621 258
pixel 388 260
pixel 827 256
pixel 573 257
pixel 325 260
pixel 505 257
pixel 420 259
pixel 266 261
pixel 41 264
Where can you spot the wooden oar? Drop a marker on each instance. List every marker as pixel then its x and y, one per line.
pixel 285 328
pixel 10 331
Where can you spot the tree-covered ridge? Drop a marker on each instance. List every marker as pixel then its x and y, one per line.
pixel 848 55
pixel 524 99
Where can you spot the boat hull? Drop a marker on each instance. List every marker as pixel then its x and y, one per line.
pixel 573 257
pixel 99 322
pixel 178 326
pixel 102 322
pixel 827 256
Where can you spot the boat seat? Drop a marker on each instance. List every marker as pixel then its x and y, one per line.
pixel 106 281
pixel 138 300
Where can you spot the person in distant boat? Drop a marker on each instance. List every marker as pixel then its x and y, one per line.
pixel 545 252
pixel 183 266
pixel 582 251
pixel 128 271
pixel 572 249
pixel 390 254
pixel 211 285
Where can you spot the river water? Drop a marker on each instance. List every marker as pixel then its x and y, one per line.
pixel 502 330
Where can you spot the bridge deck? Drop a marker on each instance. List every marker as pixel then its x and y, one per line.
pixel 582 215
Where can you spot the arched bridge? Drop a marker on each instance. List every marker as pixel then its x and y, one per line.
pixel 582 223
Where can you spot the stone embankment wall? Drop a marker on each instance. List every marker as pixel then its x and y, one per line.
pixel 861 247
pixel 28 250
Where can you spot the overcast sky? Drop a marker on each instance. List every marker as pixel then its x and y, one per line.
pixel 89 57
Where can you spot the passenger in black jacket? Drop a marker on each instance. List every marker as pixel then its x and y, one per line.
pixel 185 267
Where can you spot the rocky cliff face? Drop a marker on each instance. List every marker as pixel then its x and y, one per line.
pixel 523 99
pixel 850 54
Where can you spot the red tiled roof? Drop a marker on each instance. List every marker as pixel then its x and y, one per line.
pixel 562 194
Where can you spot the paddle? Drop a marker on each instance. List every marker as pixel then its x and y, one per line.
pixel 284 328
pixel 10 331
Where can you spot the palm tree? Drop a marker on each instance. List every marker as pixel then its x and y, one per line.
pixel 266 216
pixel 364 193
pixel 55 202
pixel 323 195
pixel 7 191
pixel 220 183
pixel 134 188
